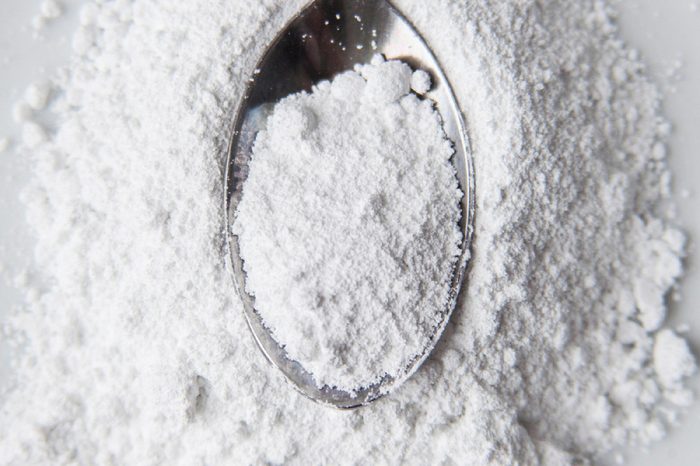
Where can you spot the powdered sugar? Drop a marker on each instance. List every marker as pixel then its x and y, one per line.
pixel 348 225
pixel 137 349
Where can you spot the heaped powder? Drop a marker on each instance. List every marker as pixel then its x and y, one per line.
pixel 348 225
pixel 137 350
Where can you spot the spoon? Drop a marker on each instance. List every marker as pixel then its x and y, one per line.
pixel 324 39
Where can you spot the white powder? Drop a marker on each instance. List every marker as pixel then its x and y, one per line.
pixel 37 95
pixel 48 10
pixel 420 82
pixel 21 111
pixel 33 134
pixel 51 9
pixel 348 225
pixel 4 144
pixel 672 359
pixel 138 353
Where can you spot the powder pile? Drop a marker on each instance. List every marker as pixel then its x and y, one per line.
pixel 136 348
pixel 348 225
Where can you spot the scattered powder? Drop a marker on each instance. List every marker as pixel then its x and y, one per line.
pixel 51 9
pixel 682 328
pixel 4 144
pixel 37 95
pixel 348 225
pixel 21 111
pixel 48 10
pixel 137 351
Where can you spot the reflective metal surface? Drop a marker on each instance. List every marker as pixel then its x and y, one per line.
pixel 326 38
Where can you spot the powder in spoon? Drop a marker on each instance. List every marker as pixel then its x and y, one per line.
pixel 348 224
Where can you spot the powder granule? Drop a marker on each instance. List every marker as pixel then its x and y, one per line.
pixel 420 82
pixel 137 350
pixel 673 360
pixel 51 9
pixel 48 10
pixel 21 111
pixel 37 95
pixel 4 144
pixel 348 225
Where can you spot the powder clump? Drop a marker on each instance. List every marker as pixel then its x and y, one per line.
pixel 673 360
pixel 420 82
pixel 4 144
pixel 37 95
pixel 348 225
pixel 48 10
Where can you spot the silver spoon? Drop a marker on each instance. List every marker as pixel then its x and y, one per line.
pixel 326 38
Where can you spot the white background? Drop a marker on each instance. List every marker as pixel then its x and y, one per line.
pixel 667 32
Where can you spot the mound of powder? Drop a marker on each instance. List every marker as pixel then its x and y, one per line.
pixel 348 225
pixel 136 350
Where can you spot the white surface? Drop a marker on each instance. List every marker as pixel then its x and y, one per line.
pixel 666 32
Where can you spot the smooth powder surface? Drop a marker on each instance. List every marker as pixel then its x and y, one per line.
pixel 348 225
pixel 135 349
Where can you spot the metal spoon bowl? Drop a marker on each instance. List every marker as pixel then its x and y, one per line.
pixel 323 40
